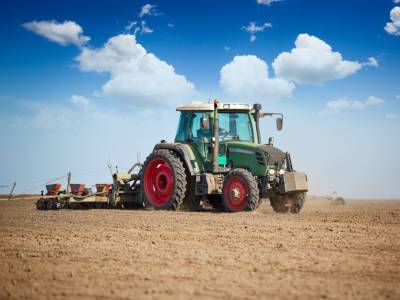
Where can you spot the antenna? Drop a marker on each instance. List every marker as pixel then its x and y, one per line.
pixel 138 158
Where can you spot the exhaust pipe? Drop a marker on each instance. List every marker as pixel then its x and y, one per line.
pixel 215 137
pixel 257 108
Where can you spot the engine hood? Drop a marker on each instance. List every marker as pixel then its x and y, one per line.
pixel 275 157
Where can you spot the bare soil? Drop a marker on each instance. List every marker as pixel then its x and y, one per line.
pixel 329 252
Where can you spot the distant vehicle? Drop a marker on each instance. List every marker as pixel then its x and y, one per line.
pixel 335 200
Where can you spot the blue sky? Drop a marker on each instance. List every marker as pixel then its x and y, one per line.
pixel 67 104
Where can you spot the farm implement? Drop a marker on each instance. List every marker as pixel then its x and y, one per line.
pixel 124 192
pixel 217 159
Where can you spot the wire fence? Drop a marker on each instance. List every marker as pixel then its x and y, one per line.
pixel 43 184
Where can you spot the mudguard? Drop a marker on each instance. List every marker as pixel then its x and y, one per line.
pixel 185 153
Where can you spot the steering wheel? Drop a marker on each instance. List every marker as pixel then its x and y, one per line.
pixel 223 132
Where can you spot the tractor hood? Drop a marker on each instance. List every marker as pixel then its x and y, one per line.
pixel 275 156
pixel 256 157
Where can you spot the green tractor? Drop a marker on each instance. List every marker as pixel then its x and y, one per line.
pixel 218 158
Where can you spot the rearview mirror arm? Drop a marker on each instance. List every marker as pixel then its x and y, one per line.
pixel 263 114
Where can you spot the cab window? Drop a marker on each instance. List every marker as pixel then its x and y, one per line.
pixel 235 126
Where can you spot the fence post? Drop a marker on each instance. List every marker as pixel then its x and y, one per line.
pixel 68 182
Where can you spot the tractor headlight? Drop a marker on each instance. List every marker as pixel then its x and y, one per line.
pixel 271 172
pixel 281 171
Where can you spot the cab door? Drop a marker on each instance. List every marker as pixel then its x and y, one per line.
pixel 200 133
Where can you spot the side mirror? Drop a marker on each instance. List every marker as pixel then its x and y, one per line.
pixel 205 123
pixel 279 123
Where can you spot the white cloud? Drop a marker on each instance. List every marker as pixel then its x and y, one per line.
pixel 148 10
pixel 145 29
pixel 63 34
pixel 136 75
pixel 338 105
pixel 342 104
pixel 355 104
pixel 392 116
pixel 81 102
pixel 313 61
pixel 396 1
pixel 133 27
pixel 247 77
pixel 227 48
pixel 372 100
pixel 267 2
pixel 253 28
pixel 372 62
pixel 393 27
pixel 170 25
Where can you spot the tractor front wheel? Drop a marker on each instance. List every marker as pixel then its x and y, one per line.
pixel 240 191
pixel 163 180
pixel 291 203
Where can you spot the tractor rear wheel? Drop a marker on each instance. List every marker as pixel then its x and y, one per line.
pixel 240 191
pixel 291 203
pixel 163 180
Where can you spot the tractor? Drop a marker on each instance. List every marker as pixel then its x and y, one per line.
pixel 218 159
pixel 334 199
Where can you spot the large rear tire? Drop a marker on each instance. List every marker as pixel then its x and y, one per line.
pixel 163 180
pixel 240 191
pixel 291 203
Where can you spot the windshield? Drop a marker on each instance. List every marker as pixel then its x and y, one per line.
pixel 236 126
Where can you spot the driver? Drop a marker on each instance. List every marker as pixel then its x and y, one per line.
pixel 204 132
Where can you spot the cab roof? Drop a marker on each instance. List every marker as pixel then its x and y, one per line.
pixel 201 106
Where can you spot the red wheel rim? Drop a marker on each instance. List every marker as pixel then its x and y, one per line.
pixel 158 182
pixel 236 193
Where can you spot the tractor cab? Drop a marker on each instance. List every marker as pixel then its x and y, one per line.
pixel 229 126
pixel 197 126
